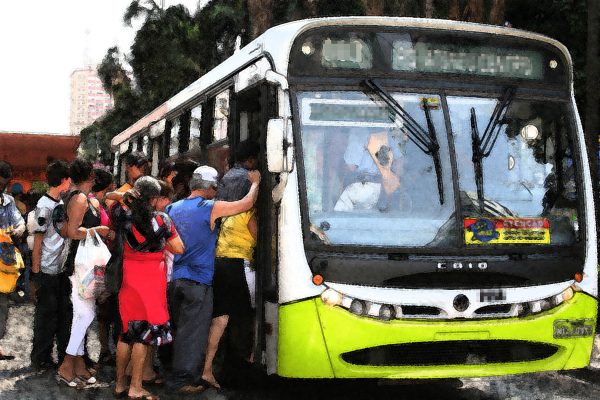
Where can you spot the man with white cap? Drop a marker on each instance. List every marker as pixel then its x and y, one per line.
pixel 191 296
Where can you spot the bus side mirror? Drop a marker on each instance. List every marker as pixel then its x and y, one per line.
pixel 280 150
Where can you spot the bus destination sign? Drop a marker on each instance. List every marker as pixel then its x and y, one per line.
pixel 463 59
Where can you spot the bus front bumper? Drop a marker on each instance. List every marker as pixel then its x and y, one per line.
pixel 320 341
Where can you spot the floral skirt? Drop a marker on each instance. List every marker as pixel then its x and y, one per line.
pixel 143 332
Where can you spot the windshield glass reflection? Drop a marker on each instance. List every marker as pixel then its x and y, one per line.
pixel 367 183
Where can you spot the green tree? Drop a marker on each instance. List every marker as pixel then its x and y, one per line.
pixel 563 20
pixel 164 54
pixel 327 8
pixel 220 24
pixel 138 8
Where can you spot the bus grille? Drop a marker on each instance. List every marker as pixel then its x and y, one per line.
pixel 496 309
pixel 465 352
pixel 420 311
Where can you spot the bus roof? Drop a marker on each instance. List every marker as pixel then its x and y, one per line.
pixel 277 42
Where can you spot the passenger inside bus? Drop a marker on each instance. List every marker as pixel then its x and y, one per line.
pixel 373 165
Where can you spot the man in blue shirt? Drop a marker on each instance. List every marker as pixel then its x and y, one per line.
pixel 191 295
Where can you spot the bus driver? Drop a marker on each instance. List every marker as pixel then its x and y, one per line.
pixel 373 164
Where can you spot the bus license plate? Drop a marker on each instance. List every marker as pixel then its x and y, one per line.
pixel 567 328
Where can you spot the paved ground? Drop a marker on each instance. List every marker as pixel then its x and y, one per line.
pixel 18 381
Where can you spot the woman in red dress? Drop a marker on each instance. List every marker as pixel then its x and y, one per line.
pixel 143 293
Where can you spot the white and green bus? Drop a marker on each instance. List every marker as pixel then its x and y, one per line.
pixel 426 205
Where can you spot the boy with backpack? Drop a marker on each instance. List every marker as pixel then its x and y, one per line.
pixel 50 283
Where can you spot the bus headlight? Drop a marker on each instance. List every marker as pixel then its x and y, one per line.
pixel 537 306
pixel 387 312
pixel 331 297
pixel 358 307
pixel 568 294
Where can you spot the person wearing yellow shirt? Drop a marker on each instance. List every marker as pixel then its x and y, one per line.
pixel 234 254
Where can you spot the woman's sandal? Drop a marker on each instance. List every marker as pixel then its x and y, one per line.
pixel 73 383
pixel 91 379
pixel 88 381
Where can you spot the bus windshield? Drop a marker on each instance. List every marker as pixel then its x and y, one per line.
pixel 369 183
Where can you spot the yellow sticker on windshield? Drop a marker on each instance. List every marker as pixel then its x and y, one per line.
pixel 432 102
pixel 507 231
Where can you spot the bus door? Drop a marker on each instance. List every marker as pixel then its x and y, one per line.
pixel 252 108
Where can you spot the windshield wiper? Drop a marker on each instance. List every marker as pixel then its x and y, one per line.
pixel 426 141
pixel 434 149
pixel 482 146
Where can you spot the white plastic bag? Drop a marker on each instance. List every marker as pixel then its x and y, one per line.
pixel 92 256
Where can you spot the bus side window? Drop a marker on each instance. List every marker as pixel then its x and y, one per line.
pixel 244 125
pixel 154 155
pixel 217 148
pixel 174 137
pixel 146 146
pixel 221 116
pixel 206 123
pixel 115 163
pixel 184 132
pixel 195 125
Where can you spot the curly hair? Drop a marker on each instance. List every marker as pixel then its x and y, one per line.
pixel 103 180
pixel 80 170
pixel 141 210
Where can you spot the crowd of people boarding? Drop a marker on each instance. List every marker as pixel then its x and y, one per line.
pixel 179 251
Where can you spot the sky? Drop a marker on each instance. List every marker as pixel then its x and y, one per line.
pixel 42 42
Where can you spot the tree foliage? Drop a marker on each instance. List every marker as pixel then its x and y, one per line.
pixel 221 22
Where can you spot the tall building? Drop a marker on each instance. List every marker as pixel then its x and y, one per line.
pixel 89 101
